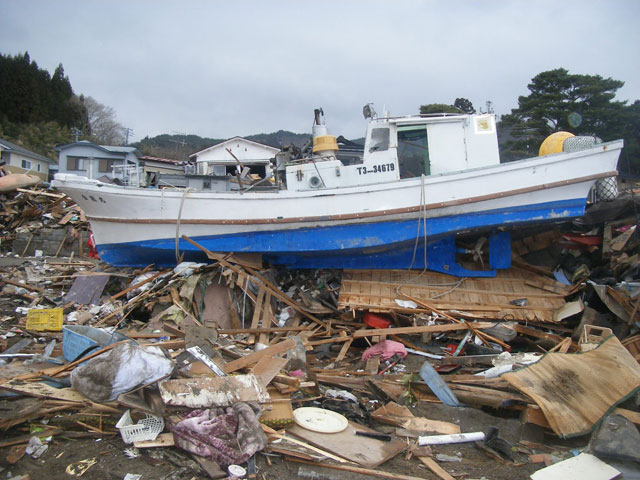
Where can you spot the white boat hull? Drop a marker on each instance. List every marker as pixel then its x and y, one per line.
pixel 340 226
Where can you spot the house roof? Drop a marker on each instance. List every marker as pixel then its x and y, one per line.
pixel 235 139
pixel 104 148
pixel 148 158
pixel 12 147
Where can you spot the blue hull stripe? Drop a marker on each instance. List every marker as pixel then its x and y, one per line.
pixel 337 246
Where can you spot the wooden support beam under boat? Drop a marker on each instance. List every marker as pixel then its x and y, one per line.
pixel 268 286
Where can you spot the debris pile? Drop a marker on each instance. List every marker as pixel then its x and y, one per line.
pixel 232 369
pixel 38 222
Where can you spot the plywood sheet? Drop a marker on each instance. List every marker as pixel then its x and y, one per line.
pixel 367 452
pixel 204 392
pixel 482 298
pixel 576 390
pixel 42 390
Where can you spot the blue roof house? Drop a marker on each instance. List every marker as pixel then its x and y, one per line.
pixel 104 162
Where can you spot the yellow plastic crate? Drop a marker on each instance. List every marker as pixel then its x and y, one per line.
pixel 44 319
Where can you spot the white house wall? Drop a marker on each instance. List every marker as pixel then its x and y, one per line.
pixel 38 167
pixel 241 149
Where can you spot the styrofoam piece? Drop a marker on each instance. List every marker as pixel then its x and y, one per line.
pixel 584 467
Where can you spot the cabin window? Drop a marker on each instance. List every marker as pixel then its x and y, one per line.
pixel 26 164
pixel 379 140
pixel 413 151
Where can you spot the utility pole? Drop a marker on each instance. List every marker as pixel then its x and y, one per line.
pixel 128 131
pixel 179 142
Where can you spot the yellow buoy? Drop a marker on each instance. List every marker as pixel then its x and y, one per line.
pixel 553 143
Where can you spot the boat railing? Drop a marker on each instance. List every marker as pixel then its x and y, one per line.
pixel 129 175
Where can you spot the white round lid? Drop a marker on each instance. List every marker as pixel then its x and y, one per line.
pixel 320 420
pixel 237 471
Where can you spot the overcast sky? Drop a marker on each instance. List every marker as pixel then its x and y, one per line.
pixel 225 68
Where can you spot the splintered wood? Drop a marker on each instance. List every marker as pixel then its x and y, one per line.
pixel 514 294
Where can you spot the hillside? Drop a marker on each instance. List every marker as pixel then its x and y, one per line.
pixel 179 147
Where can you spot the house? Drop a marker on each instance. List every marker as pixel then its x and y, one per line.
pixel 162 172
pixel 17 159
pixel 104 162
pixel 222 158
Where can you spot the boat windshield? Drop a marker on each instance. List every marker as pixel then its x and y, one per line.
pixel 413 151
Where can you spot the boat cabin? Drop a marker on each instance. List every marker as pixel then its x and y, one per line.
pixel 399 148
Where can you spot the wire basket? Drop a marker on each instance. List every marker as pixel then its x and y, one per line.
pixel 146 429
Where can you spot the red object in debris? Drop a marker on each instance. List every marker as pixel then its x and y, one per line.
pixel 587 240
pixel 451 349
pixel 91 243
pixel 375 321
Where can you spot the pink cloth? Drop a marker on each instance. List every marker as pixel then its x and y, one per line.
pixel 386 350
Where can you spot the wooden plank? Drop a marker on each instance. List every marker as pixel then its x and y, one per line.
pixel 212 468
pixel 533 332
pixel 449 327
pixel 401 416
pixel 435 468
pixel 482 298
pixel 257 311
pixel 281 412
pixel 235 331
pixel 42 390
pixel 265 319
pixel 253 358
pixel 139 284
pixel 343 351
pixel 267 368
pixel 575 391
pixel 629 415
pixel 162 440
pixel 372 365
pixel 367 452
pixel 204 392
pixel 549 285
pixel 363 471
pixel 337 339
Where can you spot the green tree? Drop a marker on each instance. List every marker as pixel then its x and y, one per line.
pixel 464 105
pixel 432 108
pixel 560 101
pixel 461 105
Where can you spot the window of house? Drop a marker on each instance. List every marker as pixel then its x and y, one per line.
pixel 379 140
pixel 75 163
pixel 105 165
pixel 39 167
pixel 26 164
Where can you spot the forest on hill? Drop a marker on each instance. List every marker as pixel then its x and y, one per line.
pixel 179 147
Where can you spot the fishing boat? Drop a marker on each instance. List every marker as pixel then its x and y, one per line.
pixel 419 182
